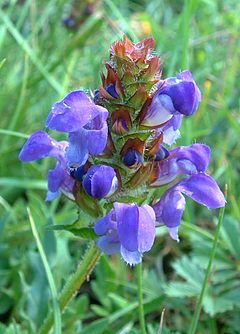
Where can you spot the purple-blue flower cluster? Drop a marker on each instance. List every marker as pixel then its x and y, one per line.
pixel 86 125
pixel 120 142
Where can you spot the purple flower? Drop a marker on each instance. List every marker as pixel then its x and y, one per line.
pixel 41 145
pixel 128 229
pixel 183 160
pixel 200 187
pixel 100 181
pixel 177 95
pixel 86 124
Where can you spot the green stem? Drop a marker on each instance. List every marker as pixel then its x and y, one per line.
pixel 73 285
pixel 140 299
pixel 197 312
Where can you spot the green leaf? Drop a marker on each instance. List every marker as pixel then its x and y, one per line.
pixel 189 270
pixel 180 290
pixel 217 305
pixel 82 232
pixel 99 310
pixel 96 327
pixel 118 300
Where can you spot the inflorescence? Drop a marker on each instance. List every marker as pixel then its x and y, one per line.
pixel 119 151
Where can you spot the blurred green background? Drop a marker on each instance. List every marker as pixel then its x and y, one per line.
pixel 48 48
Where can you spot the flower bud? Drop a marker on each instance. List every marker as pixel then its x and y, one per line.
pixel 121 121
pixel 100 181
pixel 161 154
pixel 133 158
pixel 112 91
pixel 133 152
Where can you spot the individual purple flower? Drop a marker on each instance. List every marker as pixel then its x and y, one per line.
pixel 100 181
pixel 182 160
pixel 177 95
pixel 41 145
pixel 128 229
pixel 86 124
pixel 200 187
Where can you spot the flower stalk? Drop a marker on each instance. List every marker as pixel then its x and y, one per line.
pixel 75 282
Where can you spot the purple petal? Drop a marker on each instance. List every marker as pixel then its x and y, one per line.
pixel 38 146
pixel 55 178
pixel 173 231
pixel 132 258
pixel 187 76
pixel 160 111
pixel 127 216
pixel 67 186
pixel 182 95
pixel 175 123
pixel 169 209
pixel 104 224
pixel 72 113
pixel 170 136
pixel 193 159
pixel 92 138
pixel 52 196
pixel 170 130
pixel 203 189
pixel 77 152
pixel 183 160
pixel 97 133
pixel 109 244
pixel 168 170
pixel 146 229
pixel 59 181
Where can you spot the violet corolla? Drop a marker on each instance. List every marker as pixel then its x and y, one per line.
pixel 119 149
pixel 128 229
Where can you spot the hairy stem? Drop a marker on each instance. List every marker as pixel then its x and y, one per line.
pixel 74 283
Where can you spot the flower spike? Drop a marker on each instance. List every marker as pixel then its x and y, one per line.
pixel 120 146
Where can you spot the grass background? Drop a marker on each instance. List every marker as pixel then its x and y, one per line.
pixel 41 60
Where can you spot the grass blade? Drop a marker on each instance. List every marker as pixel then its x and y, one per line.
pixel 193 326
pixel 32 55
pixel 14 133
pixel 56 307
pixel 23 183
